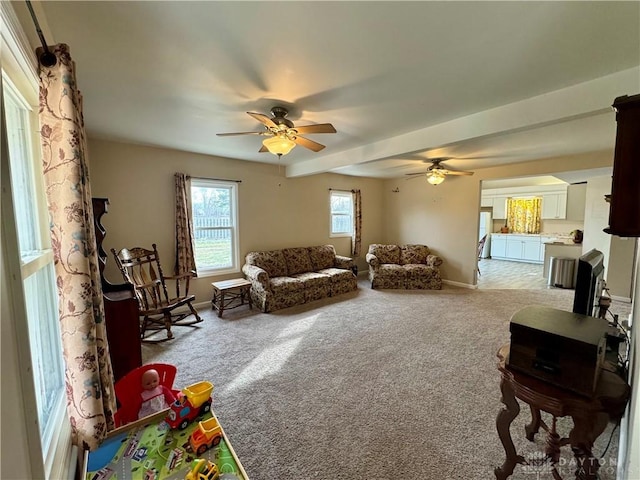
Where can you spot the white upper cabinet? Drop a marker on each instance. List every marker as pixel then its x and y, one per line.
pixel 500 207
pixel 554 200
pixel 554 206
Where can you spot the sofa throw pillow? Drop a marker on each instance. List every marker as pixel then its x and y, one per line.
pixel 322 256
pixel 272 262
pixel 298 260
pixel 412 254
pixel 386 253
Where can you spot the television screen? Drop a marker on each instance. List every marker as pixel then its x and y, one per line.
pixel 589 283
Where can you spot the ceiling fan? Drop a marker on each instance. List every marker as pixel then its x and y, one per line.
pixel 283 134
pixel 437 172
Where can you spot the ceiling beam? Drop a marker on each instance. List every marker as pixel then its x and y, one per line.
pixel 585 99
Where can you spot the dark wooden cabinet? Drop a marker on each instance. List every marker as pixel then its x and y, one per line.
pixel 624 214
pixel 120 308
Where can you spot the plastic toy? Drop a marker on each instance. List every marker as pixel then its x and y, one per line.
pixel 203 470
pixel 193 400
pixel 207 435
pixel 155 397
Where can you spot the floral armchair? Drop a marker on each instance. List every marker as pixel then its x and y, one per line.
pixel 403 266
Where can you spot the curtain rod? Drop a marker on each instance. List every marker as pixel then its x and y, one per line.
pixel 215 179
pixel 342 190
pixel 46 58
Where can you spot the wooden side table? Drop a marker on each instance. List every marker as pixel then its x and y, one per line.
pixel 230 294
pixel 590 416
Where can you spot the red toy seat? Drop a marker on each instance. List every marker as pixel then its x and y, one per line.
pixel 129 387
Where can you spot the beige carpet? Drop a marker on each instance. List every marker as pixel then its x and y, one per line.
pixel 383 384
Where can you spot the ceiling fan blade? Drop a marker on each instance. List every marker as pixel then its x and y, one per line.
pixel 411 176
pixel 456 172
pixel 310 144
pixel 320 128
pixel 242 133
pixel 263 149
pixel 263 119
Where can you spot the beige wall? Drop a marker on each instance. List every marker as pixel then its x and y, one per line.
pixel 445 217
pixel 274 211
pixel 596 217
pixel 621 263
pixel 277 212
pixel 619 253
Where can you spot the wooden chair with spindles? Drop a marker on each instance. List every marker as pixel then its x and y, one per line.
pixel 480 248
pixel 157 308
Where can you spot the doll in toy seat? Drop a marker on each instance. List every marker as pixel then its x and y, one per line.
pixel 155 397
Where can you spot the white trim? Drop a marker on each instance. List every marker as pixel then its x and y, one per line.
pixel 64 463
pixel 341 193
pixel 460 284
pixel 198 306
pixel 621 299
pixel 18 44
pixel 234 228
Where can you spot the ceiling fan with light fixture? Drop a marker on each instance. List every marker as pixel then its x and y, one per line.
pixel 283 134
pixel 437 172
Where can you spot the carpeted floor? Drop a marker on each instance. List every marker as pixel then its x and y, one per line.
pixel 383 384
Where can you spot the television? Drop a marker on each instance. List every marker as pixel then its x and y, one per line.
pixel 589 283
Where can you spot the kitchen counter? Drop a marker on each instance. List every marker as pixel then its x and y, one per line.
pixel 566 244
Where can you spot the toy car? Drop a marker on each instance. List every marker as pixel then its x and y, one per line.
pixel 207 435
pixel 203 469
pixel 194 400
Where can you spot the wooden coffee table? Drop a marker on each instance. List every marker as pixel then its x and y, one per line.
pixel 229 294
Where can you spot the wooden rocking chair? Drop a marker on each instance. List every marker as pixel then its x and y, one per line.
pixel 480 249
pixel 141 268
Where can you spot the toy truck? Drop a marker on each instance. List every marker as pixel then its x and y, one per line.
pixel 203 470
pixel 207 435
pixel 194 400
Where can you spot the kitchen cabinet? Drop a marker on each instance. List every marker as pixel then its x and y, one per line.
pixel 531 249
pixel 554 206
pixel 498 245
pixel 554 199
pixel 514 247
pixel 521 248
pixel 486 201
pixel 500 207
pixel 543 240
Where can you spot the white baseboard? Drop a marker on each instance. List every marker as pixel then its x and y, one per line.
pixel 460 284
pixel 199 305
pixel 621 299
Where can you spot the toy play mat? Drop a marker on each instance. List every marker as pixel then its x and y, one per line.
pixel 153 451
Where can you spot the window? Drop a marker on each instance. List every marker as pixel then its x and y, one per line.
pixel 214 205
pixel 38 296
pixel 341 213
pixel 523 214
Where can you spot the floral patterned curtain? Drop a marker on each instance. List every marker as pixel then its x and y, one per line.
pixel 88 374
pixel 523 215
pixel 185 260
pixel 356 240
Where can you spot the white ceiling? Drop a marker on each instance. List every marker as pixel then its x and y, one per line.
pixel 492 82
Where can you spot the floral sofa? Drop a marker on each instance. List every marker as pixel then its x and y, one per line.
pixel 403 266
pixel 291 276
